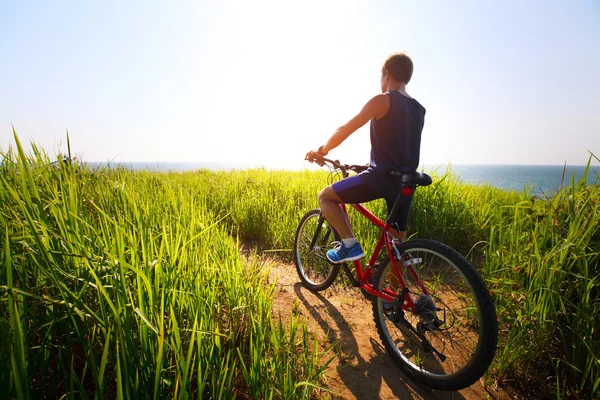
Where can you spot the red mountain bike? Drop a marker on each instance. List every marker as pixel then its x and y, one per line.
pixel 432 310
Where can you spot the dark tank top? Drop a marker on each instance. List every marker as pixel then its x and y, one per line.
pixel 396 138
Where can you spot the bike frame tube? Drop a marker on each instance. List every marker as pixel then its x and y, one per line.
pixel 384 238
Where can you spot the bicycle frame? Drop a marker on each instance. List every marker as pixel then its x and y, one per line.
pixel 363 274
pixel 427 333
pixel 386 238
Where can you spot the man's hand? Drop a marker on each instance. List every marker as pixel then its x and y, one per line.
pixel 314 156
pixel 311 155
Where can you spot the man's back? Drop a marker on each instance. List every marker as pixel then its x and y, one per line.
pixel 396 137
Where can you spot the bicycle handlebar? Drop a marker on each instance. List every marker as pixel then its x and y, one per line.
pixel 321 160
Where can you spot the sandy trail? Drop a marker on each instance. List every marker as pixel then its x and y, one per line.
pixel 362 369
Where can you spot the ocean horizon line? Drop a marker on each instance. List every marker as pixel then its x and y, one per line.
pixel 535 177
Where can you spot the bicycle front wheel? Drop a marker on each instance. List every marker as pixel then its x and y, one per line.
pixel 313 238
pixel 448 340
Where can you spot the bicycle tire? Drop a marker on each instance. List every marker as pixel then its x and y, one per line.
pixel 467 338
pixel 314 270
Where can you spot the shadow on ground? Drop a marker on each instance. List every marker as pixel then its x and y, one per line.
pixel 361 376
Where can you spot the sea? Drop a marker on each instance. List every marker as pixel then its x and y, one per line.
pixel 535 179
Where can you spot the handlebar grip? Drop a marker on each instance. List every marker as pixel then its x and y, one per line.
pixel 314 157
pixel 321 160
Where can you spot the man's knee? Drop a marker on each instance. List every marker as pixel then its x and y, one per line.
pixel 328 194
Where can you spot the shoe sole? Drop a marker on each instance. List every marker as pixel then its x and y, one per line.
pixel 355 258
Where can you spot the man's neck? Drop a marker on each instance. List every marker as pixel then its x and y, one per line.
pixel 398 86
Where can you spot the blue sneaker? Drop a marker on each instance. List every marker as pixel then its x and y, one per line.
pixel 342 254
pixel 387 306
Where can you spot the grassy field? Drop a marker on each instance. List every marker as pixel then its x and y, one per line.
pixel 539 257
pixel 130 283
pixel 116 284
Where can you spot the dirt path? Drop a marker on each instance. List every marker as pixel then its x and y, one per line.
pixel 362 369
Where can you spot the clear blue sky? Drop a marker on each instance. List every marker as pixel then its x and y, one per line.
pixel 511 82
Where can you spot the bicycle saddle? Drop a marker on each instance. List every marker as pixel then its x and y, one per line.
pixel 412 178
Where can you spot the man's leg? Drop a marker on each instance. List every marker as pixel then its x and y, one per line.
pixel 398 234
pixel 401 221
pixel 330 202
pixel 348 190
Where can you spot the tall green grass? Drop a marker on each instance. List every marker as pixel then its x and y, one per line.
pixel 544 265
pixel 116 284
pixel 539 257
pixel 82 261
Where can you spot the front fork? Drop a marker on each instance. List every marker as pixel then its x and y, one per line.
pixel 315 237
pixel 320 225
pixel 355 283
pixel 317 231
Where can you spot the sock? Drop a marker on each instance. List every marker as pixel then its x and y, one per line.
pixel 350 241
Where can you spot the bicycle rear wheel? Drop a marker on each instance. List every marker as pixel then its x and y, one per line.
pixel 313 238
pixel 449 340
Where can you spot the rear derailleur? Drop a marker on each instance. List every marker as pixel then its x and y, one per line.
pixel 426 310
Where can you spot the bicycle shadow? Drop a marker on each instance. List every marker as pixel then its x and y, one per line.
pixel 364 378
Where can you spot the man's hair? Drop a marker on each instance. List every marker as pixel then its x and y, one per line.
pixel 399 66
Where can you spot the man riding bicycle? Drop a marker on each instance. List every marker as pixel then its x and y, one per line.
pixel 396 125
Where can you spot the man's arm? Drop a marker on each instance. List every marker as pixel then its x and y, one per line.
pixel 377 108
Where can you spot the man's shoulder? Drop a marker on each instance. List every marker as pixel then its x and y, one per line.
pixel 419 105
pixel 408 99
